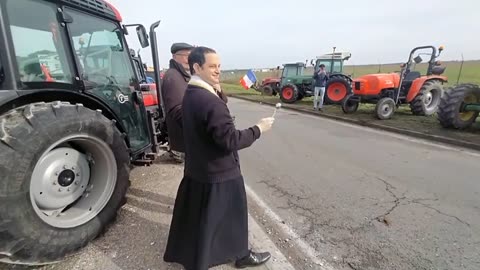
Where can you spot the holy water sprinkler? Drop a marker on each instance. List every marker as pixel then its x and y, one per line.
pixel 277 106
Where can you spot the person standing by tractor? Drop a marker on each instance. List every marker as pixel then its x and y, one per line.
pixel 174 84
pixel 209 226
pixel 320 81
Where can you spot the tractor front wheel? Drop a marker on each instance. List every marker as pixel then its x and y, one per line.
pixel 289 93
pixel 450 111
pixel 337 89
pixel 64 171
pixel 349 105
pixel 385 108
pixel 427 100
pixel 267 90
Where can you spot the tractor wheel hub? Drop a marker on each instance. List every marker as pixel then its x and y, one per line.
pixel 428 98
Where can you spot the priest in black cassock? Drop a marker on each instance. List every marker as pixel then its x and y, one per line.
pixel 210 216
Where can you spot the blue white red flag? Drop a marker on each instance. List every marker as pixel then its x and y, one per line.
pixel 248 80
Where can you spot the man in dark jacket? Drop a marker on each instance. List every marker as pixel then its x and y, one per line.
pixel 321 79
pixel 174 84
pixel 210 218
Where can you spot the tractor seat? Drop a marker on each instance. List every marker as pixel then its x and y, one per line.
pixel 438 70
pixel 412 75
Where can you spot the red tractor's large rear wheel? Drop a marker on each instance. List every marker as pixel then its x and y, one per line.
pixel 289 93
pixel 338 88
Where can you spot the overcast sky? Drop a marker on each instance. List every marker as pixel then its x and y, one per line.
pixel 255 33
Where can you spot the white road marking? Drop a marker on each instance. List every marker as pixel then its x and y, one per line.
pixel 309 252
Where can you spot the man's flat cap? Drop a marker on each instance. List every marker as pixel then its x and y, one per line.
pixel 180 46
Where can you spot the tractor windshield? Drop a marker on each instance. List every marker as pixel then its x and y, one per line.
pixel 38 42
pixel 337 65
pixel 101 51
pixel 292 70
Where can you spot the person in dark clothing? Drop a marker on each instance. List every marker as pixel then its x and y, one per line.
pixel 209 226
pixel 321 79
pixel 174 84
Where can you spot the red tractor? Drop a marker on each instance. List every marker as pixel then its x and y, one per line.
pixel 389 91
pixel 269 86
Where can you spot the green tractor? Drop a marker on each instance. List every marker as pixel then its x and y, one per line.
pixel 459 106
pixel 295 85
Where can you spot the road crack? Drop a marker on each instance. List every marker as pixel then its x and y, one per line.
pixel 396 202
pixel 440 212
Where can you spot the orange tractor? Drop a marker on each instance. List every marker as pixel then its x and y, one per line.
pixel 389 91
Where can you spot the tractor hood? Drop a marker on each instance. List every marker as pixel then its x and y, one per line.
pixel 269 80
pixel 371 84
pixel 298 79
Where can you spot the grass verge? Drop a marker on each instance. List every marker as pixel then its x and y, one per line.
pixel 402 119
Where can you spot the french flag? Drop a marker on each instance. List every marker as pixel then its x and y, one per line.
pixel 248 80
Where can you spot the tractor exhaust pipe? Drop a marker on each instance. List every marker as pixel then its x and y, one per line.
pixel 156 67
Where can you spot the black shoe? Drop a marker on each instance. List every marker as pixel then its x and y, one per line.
pixel 253 259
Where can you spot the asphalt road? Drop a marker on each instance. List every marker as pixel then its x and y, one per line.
pixel 365 199
pixel 137 239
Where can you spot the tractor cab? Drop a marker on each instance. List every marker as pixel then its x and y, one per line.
pixel 333 62
pixel 292 70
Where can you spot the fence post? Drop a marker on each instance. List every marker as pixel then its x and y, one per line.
pixel 460 72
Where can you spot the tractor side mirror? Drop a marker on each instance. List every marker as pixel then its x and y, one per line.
pixel 403 65
pixel 142 36
pixel 312 63
pixel 418 59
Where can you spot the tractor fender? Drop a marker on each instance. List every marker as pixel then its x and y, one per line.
pixel 25 97
pixel 418 83
pixel 346 77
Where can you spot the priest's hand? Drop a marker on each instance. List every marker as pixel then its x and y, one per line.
pixel 265 124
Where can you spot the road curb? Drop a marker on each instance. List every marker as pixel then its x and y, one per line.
pixel 261 242
pixel 436 138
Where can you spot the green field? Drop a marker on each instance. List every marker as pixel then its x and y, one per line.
pixel 470 72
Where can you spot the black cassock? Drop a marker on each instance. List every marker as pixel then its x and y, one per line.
pixel 210 218
pixel 209 225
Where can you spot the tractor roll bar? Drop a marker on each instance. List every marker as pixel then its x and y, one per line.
pixel 433 56
pixel 434 52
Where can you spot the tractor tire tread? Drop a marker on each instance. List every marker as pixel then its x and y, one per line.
pixel 416 106
pixel 296 94
pixel 24 238
pixel 448 108
pixel 338 79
